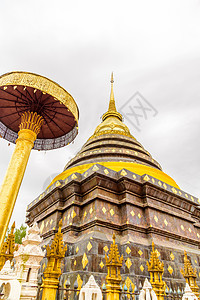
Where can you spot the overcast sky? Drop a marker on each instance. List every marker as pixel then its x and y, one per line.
pixel 153 47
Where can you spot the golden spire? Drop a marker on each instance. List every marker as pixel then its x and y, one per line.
pixel 112 111
pixel 8 247
pixel 156 270
pixel 113 278
pixel 190 275
pixel 112 106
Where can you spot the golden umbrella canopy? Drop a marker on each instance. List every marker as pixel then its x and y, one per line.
pixel 35 112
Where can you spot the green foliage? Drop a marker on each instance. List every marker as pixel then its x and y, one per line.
pixel 20 233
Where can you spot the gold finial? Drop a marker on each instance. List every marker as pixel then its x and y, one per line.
pixel 190 275
pixel 112 111
pixel 112 106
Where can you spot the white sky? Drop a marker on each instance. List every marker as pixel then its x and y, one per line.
pixel 152 46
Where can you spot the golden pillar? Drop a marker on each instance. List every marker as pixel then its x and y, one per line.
pixel 156 270
pixel 114 264
pixel 55 253
pixel 190 275
pixel 29 128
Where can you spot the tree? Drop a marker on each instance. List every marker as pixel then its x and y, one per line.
pixel 20 233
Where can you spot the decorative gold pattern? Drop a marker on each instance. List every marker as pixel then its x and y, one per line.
pixel 128 250
pixel 190 275
pixel 123 173
pixel 106 171
pixel 132 213
pixel 31 121
pixel 89 246
pixel 182 227
pixel 77 249
pixel 84 260
pixel 140 252
pixel 146 177
pixel 80 282
pixel 73 214
pixel 139 215
pixel 101 264
pixel 128 263
pixel 43 84
pixel 105 249
pixel 172 256
pixel 104 210
pixel 91 210
pixel 95 168
pixel 142 268
pixel 42 227
pixel 73 176
pixel 112 212
pixel 170 270
pixel 156 218
pixel 165 221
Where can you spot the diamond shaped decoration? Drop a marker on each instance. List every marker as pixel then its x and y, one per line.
pixel 186 195
pixel 192 198
pixel 170 270
pixel 197 235
pixel 104 210
pixel 75 263
pixel 165 186
pixel 58 183
pixel 174 190
pixel 85 214
pixel 159 183
pixel 73 176
pixel 139 216
pixel 105 249
pixel 77 249
pixel 142 268
pixel 140 252
pixel 134 176
pixel 84 261
pixel 73 214
pixel 66 180
pixel 123 173
pixel 106 171
pixel 91 210
pixel 156 218
pixel 165 221
pixel 132 213
pixel 95 168
pixel 89 246
pixel 146 177
pixel 153 180
pixel 112 212
pixel 101 264
pixel 128 263
pixel 190 230
pixel 182 227
pixel 128 250
pixel 172 256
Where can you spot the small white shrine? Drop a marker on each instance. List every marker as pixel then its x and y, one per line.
pixel 28 258
pixel 147 292
pixel 11 286
pixel 188 294
pixel 91 290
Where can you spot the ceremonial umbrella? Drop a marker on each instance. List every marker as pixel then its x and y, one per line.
pixel 37 113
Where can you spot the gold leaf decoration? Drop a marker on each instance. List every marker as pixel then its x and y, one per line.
pixel 128 263
pixel 84 260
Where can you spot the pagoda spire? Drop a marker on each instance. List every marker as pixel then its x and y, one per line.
pixel 112 111
pixel 112 106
